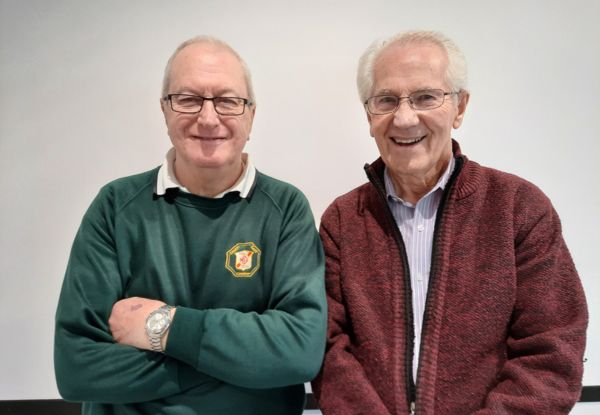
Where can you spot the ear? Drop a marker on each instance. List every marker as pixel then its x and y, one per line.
pixel 370 122
pixel 162 108
pixel 252 111
pixel 463 100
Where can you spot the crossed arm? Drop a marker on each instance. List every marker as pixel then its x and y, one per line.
pixel 96 326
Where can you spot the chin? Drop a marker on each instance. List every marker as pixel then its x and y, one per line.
pixel 209 164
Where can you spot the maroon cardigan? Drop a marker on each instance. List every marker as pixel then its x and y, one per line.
pixel 504 326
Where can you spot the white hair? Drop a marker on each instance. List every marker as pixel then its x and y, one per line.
pixel 456 73
pixel 215 42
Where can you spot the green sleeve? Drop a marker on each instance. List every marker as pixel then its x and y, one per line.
pixel 89 365
pixel 283 345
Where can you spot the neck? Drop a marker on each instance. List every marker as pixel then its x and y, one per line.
pixel 208 182
pixel 411 188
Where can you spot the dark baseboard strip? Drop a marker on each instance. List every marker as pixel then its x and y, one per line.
pixel 60 407
pixel 40 406
pixel 590 394
pixel 311 402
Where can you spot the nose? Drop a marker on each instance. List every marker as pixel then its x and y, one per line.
pixel 208 117
pixel 405 115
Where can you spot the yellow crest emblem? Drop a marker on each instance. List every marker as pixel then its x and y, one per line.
pixel 243 259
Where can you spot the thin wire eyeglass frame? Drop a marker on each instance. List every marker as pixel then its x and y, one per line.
pixel 410 101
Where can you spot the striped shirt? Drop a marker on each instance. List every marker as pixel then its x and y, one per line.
pixel 416 224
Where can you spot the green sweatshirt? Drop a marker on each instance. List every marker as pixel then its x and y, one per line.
pixel 246 276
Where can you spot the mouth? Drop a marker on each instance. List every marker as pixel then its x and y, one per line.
pixel 201 138
pixel 407 141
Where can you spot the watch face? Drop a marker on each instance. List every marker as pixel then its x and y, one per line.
pixel 156 323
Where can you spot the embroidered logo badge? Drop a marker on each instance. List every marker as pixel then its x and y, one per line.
pixel 243 259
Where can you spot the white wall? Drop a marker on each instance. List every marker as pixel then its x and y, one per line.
pixel 80 82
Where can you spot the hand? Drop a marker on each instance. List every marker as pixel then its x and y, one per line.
pixel 127 321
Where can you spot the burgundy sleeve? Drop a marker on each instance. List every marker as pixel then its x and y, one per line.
pixel 546 338
pixel 341 388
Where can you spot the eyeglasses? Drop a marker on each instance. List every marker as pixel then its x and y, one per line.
pixel 192 104
pixel 426 99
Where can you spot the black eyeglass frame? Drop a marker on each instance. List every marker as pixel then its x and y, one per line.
pixel 410 102
pixel 215 100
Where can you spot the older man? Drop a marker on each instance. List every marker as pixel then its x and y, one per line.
pixel 196 287
pixel 450 288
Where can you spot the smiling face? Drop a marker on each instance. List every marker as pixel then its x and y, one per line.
pixel 207 143
pixel 415 145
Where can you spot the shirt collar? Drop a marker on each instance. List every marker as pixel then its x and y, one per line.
pixel 441 183
pixel 166 177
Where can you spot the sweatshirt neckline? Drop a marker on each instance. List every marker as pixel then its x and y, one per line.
pixel 174 195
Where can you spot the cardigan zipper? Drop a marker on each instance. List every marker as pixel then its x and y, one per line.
pixel 433 271
pixel 411 386
pixel 411 390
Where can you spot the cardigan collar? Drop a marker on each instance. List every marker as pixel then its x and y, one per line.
pixel 466 183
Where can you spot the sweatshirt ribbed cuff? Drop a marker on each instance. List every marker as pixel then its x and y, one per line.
pixel 185 335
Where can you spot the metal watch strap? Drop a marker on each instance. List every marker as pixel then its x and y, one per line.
pixel 156 340
pixel 156 344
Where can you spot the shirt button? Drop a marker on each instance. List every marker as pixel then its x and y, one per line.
pixel 421 227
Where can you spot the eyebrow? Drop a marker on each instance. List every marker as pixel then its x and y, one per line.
pixel 220 92
pixel 389 91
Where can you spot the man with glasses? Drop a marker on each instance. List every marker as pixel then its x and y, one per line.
pixel 196 287
pixel 450 287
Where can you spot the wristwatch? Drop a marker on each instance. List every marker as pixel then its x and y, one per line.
pixel 157 324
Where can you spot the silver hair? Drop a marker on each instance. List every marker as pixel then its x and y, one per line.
pixel 456 73
pixel 215 42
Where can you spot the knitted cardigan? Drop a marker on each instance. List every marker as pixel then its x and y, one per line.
pixel 505 319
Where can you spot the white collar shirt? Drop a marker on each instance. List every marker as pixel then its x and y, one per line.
pixel 166 177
